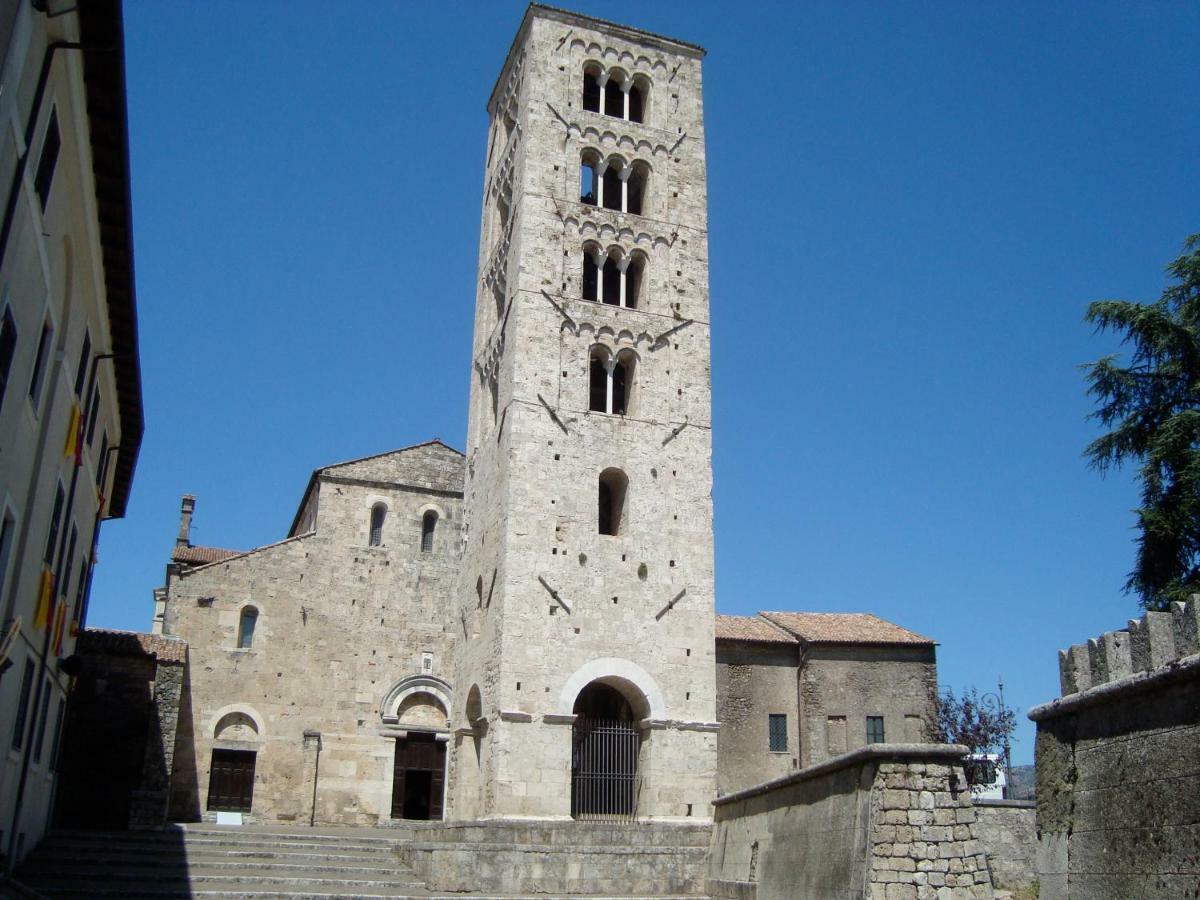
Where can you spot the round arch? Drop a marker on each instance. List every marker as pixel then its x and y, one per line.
pixel 638 686
pixel 416 684
pixel 226 715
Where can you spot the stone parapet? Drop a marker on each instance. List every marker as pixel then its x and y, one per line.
pixel 885 822
pixel 1153 641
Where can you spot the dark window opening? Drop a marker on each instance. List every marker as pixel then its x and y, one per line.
pixel 378 514
pixel 8 349
pixel 637 190
pixel 39 740
pixel 102 466
pixel 18 736
pixel 618 388
pixel 612 188
pixel 614 99
pixel 51 144
pixel 52 537
pixel 67 563
pixel 778 733
pixel 84 357
pixel 612 282
pixel 246 628
pixel 597 385
pixel 875 733
pixel 39 363
pixel 637 103
pixel 611 501
pixel 591 92
pixel 93 414
pixel 590 279
pixel 633 283
pixel 428 524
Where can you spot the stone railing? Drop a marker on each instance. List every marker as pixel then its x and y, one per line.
pixel 1155 640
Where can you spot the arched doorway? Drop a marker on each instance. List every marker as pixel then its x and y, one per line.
pixel 605 742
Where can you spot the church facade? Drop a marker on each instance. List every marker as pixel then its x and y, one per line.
pixel 526 631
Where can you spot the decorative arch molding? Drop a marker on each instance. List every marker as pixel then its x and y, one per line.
pixel 433 508
pixel 619 673
pixel 439 689
pixel 233 709
pixel 606 335
pixel 602 55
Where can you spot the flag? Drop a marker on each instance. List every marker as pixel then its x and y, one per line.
pixel 44 613
pixel 60 622
pixel 74 444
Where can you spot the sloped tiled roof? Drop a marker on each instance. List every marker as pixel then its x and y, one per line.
pixel 132 643
pixel 844 628
pixel 202 555
pixel 750 628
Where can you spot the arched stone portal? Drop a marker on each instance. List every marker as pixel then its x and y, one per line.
pixel 605 745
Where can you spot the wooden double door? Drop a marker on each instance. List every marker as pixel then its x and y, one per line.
pixel 418 777
pixel 231 780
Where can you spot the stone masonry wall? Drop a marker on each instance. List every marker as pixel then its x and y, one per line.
pixel 754 681
pixel 886 822
pixel 1007 830
pixel 1118 764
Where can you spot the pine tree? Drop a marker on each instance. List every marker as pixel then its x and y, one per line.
pixel 1152 407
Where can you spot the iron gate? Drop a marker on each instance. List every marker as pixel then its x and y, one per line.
pixel 604 782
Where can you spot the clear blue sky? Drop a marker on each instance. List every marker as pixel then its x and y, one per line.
pixel 911 205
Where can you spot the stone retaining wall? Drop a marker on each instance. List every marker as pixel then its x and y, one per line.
pixel 1007 830
pixel 1118 764
pixel 885 822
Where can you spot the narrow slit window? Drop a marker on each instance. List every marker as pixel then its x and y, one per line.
pixel 612 495
pixel 246 625
pixel 378 515
pixel 39 364
pixel 428 526
pixel 85 354
pixel 8 349
pixel 47 162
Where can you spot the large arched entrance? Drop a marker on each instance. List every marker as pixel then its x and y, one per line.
pixel 605 742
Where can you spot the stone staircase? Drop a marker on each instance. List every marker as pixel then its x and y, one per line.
pixel 493 860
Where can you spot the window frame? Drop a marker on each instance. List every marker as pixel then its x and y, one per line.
pixel 777 728
pixel 47 166
pixel 378 517
pixel 429 523
pixel 42 361
pixel 24 698
pixel 8 326
pixel 874 737
pixel 245 640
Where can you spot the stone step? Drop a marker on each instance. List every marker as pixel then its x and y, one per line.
pixel 125 868
pixel 107 856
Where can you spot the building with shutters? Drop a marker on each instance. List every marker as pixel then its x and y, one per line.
pixel 70 394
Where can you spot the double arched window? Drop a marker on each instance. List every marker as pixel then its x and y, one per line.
pixel 428 526
pixel 612 183
pixel 613 489
pixel 616 93
pixel 378 514
pixel 611 380
pixel 246 623
pixel 613 276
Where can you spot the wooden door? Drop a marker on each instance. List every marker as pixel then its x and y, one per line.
pixel 231 780
pixel 418 777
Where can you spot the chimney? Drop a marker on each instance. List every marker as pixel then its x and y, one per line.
pixel 185 521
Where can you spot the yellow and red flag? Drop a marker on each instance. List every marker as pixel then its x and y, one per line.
pixel 74 445
pixel 60 624
pixel 44 613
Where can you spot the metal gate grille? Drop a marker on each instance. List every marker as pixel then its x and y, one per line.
pixel 604 783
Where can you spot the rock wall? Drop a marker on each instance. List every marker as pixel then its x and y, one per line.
pixel 1007 830
pixel 885 822
pixel 1118 763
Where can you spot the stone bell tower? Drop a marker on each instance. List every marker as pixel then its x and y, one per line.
pixel 587 583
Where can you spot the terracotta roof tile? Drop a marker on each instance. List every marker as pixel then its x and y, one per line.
pixel 750 628
pixel 844 628
pixel 202 555
pixel 132 643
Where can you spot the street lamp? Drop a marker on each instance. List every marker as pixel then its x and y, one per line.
pixel 994 703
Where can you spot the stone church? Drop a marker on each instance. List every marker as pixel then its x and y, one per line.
pixel 528 631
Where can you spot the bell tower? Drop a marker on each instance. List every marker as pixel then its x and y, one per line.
pixel 586 594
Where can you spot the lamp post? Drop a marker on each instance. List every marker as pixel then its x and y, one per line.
pixel 994 703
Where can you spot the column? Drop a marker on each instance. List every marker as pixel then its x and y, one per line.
pixel 623 265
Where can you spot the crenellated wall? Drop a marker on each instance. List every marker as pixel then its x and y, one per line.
pixel 1118 762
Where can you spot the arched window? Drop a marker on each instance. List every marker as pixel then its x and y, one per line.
pixel 638 94
pixel 614 96
pixel 598 380
pixel 587 181
pixel 622 383
pixel 591 89
pixel 378 514
pixel 633 279
pixel 428 525
pixel 611 507
pixel 246 623
pixel 636 189
pixel 612 282
pixel 611 188
pixel 591 272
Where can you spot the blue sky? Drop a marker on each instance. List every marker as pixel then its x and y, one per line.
pixel 911 205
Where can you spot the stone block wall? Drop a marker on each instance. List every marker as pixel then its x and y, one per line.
pixel 1007 830
pixel 885 822
pixel 1118 763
